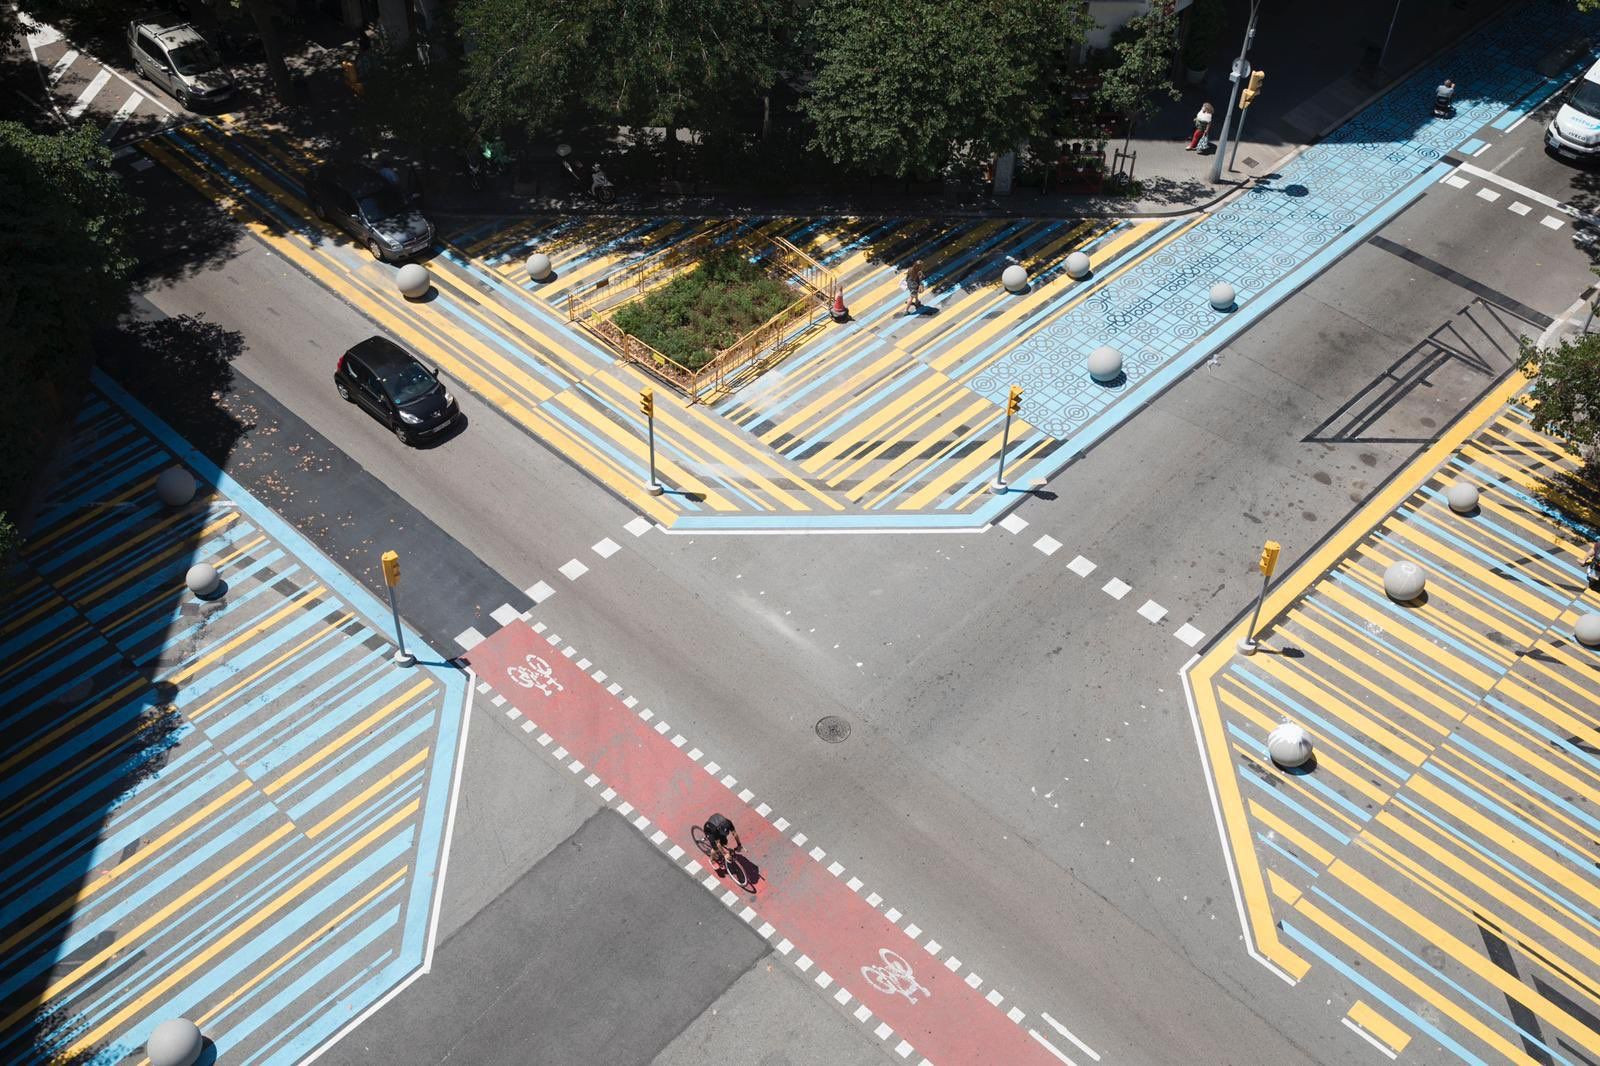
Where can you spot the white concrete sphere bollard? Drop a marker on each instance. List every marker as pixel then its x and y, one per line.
pixel 1404 581
pixel 1222 296
pixel 1587 630
pixel 1014 278
pixel 1078 265
pixel 175 486
pixel 1289 745
pixel 202 579
pixel 175 1042
pixel 539 266
pixel 413 281
pixel 1105 363
pixel 1462 496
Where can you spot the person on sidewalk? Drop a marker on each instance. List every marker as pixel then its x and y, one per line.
pixel 1444 99
pixel 914 288
pixel 1202 123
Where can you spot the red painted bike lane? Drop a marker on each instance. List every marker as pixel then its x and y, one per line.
pixel 845 938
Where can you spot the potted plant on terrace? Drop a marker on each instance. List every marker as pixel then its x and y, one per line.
pixel 1205 30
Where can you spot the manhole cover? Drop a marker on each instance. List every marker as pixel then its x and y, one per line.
pixel 833 729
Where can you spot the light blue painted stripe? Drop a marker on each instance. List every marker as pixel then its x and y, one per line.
pixel 1308 782
pixel 96 783
pixel 369 926
pixel 167 576
pixel 947 270
pixel 38 630
pixel 56 941
pixel 1420 965
pixel 128 470
pixel 1530 502
pixel 945 284
pixel 166 623
pixel 1509 868
pixel 1485 589
pixel 1519 824
pixel 317 728
pixel 570 337
pixel 1325 725
pixel 1356 629
pixel 54 673
pixel 986 475
pixel 1231 326
pixel 1281 850
pixel 374 750
pixel 1300 812
pixel 72 867
pixel 106 562
pixel 1416 619
pixel 497 340
pixel 545 232
pixel 307 614
pixel 1471 147
pixel 910 485
pixel 245 188
pixel 1561 803
pixel 287 715
pixel 793 400
pixel 1505 531
pixel 1397 1006
pixel 75 741
pixel 877 397
pixel 321 1022
pixel 1539 728
pixel 846 250
pixel 92 539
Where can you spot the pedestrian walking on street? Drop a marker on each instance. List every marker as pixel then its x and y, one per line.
pixel 914 288
pixel 1202 123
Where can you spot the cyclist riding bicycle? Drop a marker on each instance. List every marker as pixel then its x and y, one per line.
pixel 723 838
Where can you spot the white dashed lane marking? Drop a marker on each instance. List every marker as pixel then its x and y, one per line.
pixel 1048 544
pixel 1152 611
pixel 505 614
pixel 572 569
pixel 1551 222
pixel 539 592
pixel 1517 207
pixel 1013 523
pixel 638 527
pixel 469 638
pixel 607 548
pixel 1081 566
pixel 1189 634
pixel 1116 588
pixel 1488 194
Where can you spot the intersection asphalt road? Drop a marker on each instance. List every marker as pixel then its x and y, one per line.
pixel 1021 775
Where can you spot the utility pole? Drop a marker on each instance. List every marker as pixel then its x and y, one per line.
pixel 1241 71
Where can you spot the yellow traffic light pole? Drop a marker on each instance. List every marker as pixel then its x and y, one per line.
pixel 1013 402
pixel 1266 564
pixel 647 407
pixel 391 577
pixel 1246 98
pixel 1241 71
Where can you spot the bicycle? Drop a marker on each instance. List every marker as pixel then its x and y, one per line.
pixel 734 863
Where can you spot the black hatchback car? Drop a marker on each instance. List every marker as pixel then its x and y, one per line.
pixel 396 389
pixel 371 208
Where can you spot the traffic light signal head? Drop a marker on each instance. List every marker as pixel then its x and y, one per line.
pixel 391 568
pixel 1252 88
pixel 1014 401
pixel 647 402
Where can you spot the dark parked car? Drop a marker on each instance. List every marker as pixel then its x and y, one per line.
pixel 396 388
pixel 371 208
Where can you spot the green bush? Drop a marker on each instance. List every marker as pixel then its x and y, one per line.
pixel 695 316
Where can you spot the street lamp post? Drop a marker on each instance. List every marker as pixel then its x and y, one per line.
pixel 1241 71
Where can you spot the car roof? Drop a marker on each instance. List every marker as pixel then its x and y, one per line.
pixel 381 353
pixel 353 178
pixel 174 34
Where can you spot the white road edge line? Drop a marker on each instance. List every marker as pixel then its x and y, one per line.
pixel 1368 1037
pixel 1507 183
pixel 1064 1031
pixel 438 892
pixel 1222 830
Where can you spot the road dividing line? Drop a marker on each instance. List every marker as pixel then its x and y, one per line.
pixel 1507 183
pixel 90 91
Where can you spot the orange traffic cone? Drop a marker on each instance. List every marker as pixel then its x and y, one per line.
pixel 841 313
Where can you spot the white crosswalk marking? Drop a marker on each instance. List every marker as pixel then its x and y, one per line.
pixel 67 59
pixel 129 106
pixel 89 93
pixel 42 35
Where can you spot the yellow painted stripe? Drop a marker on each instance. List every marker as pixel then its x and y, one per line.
pixel 1336 816
pixel 1386 1031
pixel 88 714
pixel 912 475
pixel 1473 961
pixel 1367 722
pixel 1333 756
pixel 39 651
pixel 344 739
pixel 139 488
pixel 200 959
pixel 298 601
pixel 1491 782
pixel 149 849
pixel 131 540
pixel 364 797
pixel 118 579
pixel 1267 817
pixel 1388 675
pixel 1400 631
pixel 1535 752
pixel 327 630
pixel 963 471
pixel 134 935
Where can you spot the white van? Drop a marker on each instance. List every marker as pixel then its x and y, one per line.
pixel 179 60
pixel 1575 131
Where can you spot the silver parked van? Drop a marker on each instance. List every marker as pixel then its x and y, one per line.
pixel 178 59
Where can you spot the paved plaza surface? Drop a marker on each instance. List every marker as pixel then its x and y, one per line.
pixel 230 809
pixel 962 762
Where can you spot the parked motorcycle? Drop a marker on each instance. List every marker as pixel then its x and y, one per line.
pixel 590 179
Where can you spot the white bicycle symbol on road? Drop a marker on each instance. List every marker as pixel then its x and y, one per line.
pixel 894 977
pixel 535 674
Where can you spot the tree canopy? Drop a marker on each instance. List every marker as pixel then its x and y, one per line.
pixel 1565 395
pixel 902 86
pixel 1142 72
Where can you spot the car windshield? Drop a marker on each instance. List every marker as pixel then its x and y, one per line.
pixel 409 383
pixel 1587 99
pixel 196 57
pixel 379 204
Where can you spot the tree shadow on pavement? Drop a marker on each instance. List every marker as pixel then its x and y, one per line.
pixel 182 367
